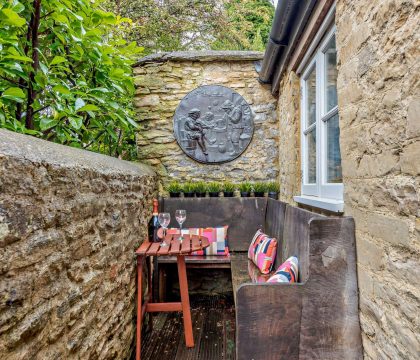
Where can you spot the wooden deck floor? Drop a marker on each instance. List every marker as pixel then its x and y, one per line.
pixel 214 332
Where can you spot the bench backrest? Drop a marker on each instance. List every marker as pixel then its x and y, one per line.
pixel 274 225
pixel 296 238
pixel 288 224
pixel 243 215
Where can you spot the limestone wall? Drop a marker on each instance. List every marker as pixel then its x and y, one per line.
pixel 70 221
pixel 288 111
pixel 379 104
pixel 163 80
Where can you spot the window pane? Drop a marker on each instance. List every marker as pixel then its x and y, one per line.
pixel 331 74
pixel 311 157
pixel 311 98
pixel 333 151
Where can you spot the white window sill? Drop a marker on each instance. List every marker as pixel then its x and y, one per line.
pixel 321 203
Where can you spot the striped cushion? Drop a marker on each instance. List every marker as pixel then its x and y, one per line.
pixel 217 237
pixel 287 272
pixel 255 274
pixel 262 251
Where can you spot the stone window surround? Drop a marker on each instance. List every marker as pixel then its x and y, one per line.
pixel 333 201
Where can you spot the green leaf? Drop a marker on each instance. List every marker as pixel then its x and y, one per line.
pixel 14 93
pixel 40 79
pixel 60 18
pixel 103 90
pixel 61 89
pixel 58 60
pixel 18 57
pixel 132 122
pixel 79 104
pixel 10 17
pixel 18 7
pixel 47 123
pixel 76 122
pixel 43 67
pixel 89 107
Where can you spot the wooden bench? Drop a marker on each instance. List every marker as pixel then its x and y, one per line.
pixel 316 318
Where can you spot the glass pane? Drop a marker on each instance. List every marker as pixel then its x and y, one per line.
pixel 333 151
pixel 331 74
pixel 311 157
pixel 311 98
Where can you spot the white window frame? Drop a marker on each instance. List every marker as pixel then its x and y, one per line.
pixel 321 194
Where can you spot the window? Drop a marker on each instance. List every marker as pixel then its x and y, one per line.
pixel 321 158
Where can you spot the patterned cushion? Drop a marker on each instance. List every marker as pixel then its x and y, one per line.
pixel 287 272
pixel 255 273
pixel 262 251
pixel 217 237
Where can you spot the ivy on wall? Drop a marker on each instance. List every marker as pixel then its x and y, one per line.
pixel 66 76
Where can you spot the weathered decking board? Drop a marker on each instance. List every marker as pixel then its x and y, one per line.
pixel 213 327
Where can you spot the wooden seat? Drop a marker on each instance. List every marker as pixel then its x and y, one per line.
pixel 316 318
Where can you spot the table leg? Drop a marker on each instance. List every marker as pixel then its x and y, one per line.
pixel 139 305
pixel 150 292
pixel 185 301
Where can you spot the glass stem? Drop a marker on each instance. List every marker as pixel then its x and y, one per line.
pixel 180 232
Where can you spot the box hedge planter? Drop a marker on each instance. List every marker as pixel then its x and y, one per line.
pixel 228 189
pixel 200 188
pixel 174 189
pixel 188 190
pixel 273 189
pixel 259 189
pixel 245 189
pixel 214 188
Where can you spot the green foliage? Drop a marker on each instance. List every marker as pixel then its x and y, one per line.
pixel 273 186
pixel 245 187
pixel 168 25
pixel 66 76
pixel 214 186
pixel 174 187
pixel 228 186
pixel 247 25
pixel 259 186
pixel 200 187
pixel 188 187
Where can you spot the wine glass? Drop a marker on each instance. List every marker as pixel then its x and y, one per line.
pixel 180 216
pixel 164 220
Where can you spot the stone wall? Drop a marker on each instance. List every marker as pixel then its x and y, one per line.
pixel 70 221
pixel 379 104
pixel 379 107
pixel 164 79
pixel 288 111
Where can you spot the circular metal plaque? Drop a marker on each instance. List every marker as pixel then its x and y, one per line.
pixel 213 124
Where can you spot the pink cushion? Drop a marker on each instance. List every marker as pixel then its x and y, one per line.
pixel 262 251
pixel 255 273
pixel 217 237
pixel 287 272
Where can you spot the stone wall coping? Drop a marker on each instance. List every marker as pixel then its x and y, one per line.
pixel 201 56
pixel 29 148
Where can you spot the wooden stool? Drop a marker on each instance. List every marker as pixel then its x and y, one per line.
pixel 178 249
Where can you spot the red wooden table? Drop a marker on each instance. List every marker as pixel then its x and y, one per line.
pixel 178 249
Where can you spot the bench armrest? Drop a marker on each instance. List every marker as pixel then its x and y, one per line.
pixel 268 321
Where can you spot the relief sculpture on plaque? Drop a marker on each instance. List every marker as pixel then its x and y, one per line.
pixel 213 124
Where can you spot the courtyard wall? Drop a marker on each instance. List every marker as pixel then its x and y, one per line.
pixel 70 221
pixel 164 79
pixel 379 104
pixel 379 109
